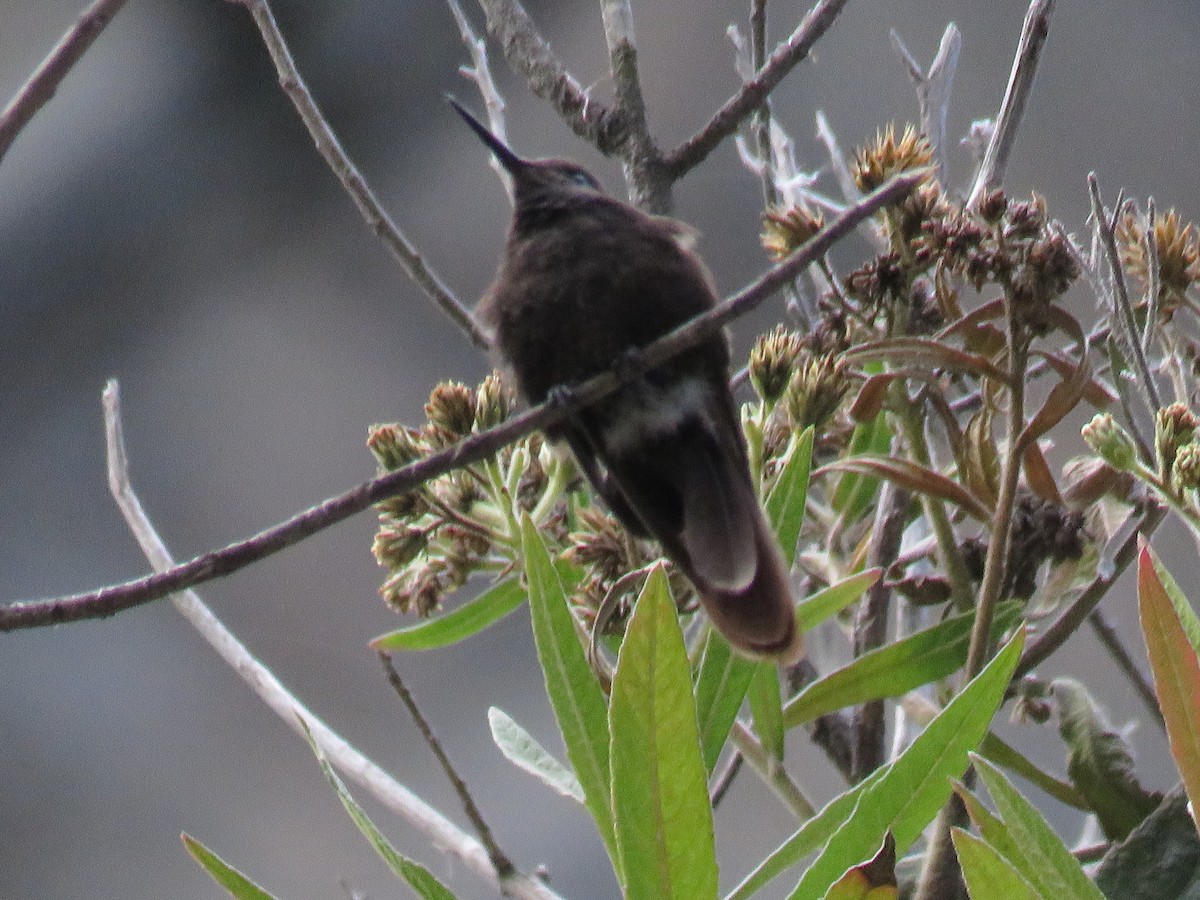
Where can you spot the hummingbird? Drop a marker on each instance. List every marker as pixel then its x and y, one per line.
pixel 583 282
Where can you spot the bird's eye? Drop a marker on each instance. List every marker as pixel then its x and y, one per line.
pixel 583 179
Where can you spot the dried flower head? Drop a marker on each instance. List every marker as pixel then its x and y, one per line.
pixel 887 156
pixel 494 402
pixel 816 388
pixel 771 361
pixel 1178 248
pixel 451 411
pixel 1186 469
pixel 1174 426
pixel 395 446
pixel 786 230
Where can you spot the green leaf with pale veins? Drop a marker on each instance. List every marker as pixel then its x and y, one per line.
pixel 988 875
pixel 492 605
pixel 659 783
pixel 575 696
pixel 722 679
pixel 785 504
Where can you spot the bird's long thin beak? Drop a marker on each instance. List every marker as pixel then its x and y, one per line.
pixel 507 158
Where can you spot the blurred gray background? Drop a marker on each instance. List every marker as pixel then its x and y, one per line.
pixel 165 220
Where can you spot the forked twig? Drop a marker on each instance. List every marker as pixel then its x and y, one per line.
pixel 342 755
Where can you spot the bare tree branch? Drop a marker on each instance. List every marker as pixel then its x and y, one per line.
pixel 217 563
pixel 753 93
pixel 352 180
pixel 441 831
pixel 1020 82
pixel 37 91
pixel 529 55
pixel 933 88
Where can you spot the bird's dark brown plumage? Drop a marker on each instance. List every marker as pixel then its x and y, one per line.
pixel 584 279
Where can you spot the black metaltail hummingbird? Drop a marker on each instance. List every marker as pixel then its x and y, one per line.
pixel 585 280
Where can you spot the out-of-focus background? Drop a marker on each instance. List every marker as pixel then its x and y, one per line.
pixel 166 220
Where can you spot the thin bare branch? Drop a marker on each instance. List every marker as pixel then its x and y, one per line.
pixel 1110 639
pixel 649 186
pixel 217 563
pixel 352 180
pixel 753 93
pixel 41 85
pixel 480 72
pixel 499 858
pixel 529 55
pixel 349 760
pixel 1020 82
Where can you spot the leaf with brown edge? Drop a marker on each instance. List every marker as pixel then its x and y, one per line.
pixel 1172 636
pixel 911 477
pixel 872 880
pixel 1095 391
pixel 980 463
pixel 927 352
pixel 1065 395
pixel 992 309
pixel 1038 475
pixel 869 401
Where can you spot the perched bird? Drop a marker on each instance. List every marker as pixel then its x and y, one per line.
pixel 584 280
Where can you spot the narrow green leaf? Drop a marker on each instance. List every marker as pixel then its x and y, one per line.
pixel 238 885
pixel 826 602
pixel 890 671
pixel 659 784
pixel 925 768
pixel 766 704
pixel 872 880
pixel 418 877
pixel 989 826
pixel 918 783
pixel 997 751
pixel 492 605
pixel 524 751
pixel 575 696
pixel 785 503
pixel 854 491
pixel 989 876
pixel 721 682
pixel 1172 635
pixel 1043 860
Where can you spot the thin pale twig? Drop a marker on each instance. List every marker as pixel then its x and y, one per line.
pixel 499 858
pixel 1111 640
pixel 352 180
pixel 480 72
pixel 1012 108
pixel 41 85
pixel 110 600
pixel 750 97
pixel 349 760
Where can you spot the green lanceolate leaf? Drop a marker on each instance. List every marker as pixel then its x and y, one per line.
pixel 1043 860
pixel 524 751
pixel 890 671
pixel 785 503
pixel 903 796
pixel 766 705
pixel 659 783
pixel 1172 635
pixel 492 605
pixel 988 875
pixel 814 610
pixel 722 679
pixel 575 696
pixel 239 886
pixel 918 783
